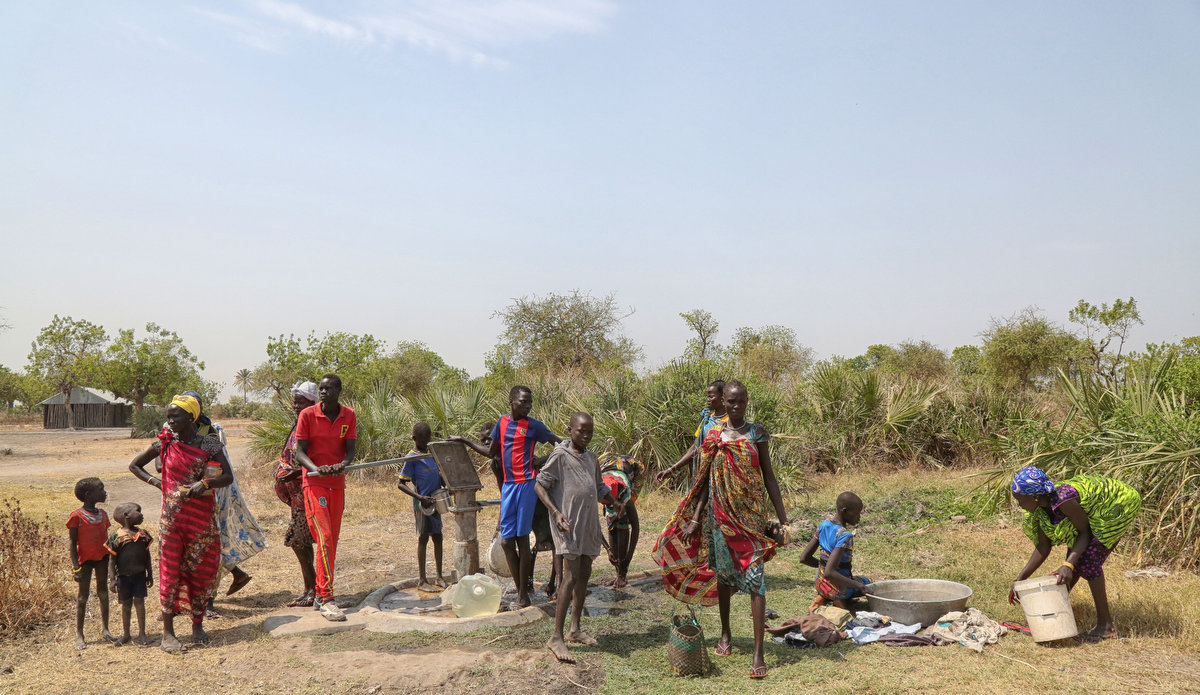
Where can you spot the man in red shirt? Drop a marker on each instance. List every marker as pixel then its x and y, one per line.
pixel 325 435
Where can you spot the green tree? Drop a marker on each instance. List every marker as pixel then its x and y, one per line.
pixel 153 368
pixel 967 360
pixel 411 368
pixel 922 361
pixel 1102 325
pixel 244 380
pixel 66 354
pixel 702 323
pixel 26 388
pixel 1026 348
pixel 770 353
pixel 567 331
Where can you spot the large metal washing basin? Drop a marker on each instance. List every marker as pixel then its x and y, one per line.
pixel 909 601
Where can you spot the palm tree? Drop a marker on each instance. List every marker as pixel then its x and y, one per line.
pixel 242 381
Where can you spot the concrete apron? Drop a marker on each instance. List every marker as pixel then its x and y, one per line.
pixel 372 614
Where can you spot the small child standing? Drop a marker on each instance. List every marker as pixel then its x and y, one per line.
pixel 88 529
pixel 570 486
pixel 130 570
pixel 835 580
pixel 424 475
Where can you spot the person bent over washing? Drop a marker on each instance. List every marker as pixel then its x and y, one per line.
pixel 621 474
pixel 1089 514
pixel 569 484
pixel 835 577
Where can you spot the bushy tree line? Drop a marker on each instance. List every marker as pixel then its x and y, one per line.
pixel 70 352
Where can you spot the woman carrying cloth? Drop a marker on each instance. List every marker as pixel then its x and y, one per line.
pixel 189 544
pixel 719 539
pixel 1089 514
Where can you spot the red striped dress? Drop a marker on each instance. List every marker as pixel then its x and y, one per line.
pixel 189 543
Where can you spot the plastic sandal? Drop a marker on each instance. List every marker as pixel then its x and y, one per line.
pixel 725 651
pixel 757 672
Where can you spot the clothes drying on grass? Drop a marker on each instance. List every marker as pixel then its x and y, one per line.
pixel 970 628
pixel 866 635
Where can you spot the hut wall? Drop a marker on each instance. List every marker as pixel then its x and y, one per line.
pixel 54 417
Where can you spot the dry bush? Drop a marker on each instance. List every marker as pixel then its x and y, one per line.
pixel 33 580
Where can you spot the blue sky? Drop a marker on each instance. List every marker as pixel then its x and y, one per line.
pixel 860 172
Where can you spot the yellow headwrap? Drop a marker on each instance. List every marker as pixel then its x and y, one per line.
pixel 189 404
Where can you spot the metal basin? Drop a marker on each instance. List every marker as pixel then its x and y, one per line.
pixel 909 601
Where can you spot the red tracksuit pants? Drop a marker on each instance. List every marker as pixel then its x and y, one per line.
pixel 323 508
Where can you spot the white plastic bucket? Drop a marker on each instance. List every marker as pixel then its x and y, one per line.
pixel 1047 606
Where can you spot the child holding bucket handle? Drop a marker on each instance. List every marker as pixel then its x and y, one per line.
pixel 424 474
pixel 1089 514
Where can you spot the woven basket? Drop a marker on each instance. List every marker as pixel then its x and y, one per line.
pixel 686 651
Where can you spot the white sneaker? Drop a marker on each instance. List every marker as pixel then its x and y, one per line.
pixel 330 611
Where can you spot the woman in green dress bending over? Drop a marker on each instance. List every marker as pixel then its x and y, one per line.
pixel 1089 514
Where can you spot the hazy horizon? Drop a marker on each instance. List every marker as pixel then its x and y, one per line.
pixel 864 173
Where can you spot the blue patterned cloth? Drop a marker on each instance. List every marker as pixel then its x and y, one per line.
pixel 1032 481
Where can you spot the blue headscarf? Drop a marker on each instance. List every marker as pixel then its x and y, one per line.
pixel 1032 481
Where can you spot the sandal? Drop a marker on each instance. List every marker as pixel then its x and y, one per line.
pixel 238 584
pixel 723 651
pixel 757 672
pixel 302 601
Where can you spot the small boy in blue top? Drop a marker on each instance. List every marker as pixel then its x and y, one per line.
pixel 513 439
pixel 423 474
pixel 835 579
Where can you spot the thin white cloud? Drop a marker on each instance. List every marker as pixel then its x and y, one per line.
pixel 461 30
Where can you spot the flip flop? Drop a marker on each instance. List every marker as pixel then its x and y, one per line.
pixel 238 584
pixel 757 672
pixel 300 602
pixel 723 651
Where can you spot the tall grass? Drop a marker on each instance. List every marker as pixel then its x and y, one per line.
pixel 34 589
pixel 1137 430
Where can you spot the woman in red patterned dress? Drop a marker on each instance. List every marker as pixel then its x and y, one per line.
pixel 189 543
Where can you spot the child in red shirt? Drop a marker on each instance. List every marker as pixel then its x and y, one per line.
pixel 88 529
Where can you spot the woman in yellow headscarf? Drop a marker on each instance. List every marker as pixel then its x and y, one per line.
pixel 189 546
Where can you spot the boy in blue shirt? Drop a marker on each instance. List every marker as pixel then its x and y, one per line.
pixel 835 580
pixel 423 474
pixel 513 439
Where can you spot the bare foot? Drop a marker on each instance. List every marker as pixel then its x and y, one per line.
pixel 620 583
pixel 439 582
pixel 108 636
pixel 581 637
pixel 80 643
pixel 199 636
pixel 1099 634
pixel 144 640
pixel 171 645
pixel 523 602
pixel 559 649
pixel 122 640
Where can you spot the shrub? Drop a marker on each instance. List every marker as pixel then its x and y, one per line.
pixel 147 422
pixel 34 588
